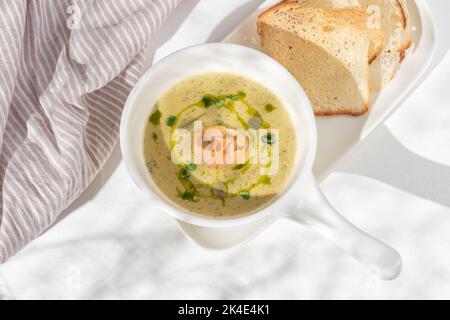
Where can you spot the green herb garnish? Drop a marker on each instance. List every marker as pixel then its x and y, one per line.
pixel 154 136
pixel 268 139
pixel 239 166
pixel 269 108
pixel 191 167
pixel 208 100
pixel 245 194
pixel 187 196
pixel 241 94
pixel 155 117
pixel 220 102
pixel 220 122
pixel 171 121
pixel 186 172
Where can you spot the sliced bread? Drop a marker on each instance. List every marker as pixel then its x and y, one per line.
pixel 408 28
pixel 390 36
pixel 390 16
pixel 376 46
pixel 376 35
pixel 326 50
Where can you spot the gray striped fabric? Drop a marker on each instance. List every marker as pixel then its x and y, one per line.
pixel 66 69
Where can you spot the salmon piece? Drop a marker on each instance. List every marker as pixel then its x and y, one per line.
pixel 222 146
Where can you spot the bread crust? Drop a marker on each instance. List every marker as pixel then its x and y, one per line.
pixel 339 113
pixel 379 45
pixel 269 11
pixel 343 113
pixel 354 14
pixel 402 50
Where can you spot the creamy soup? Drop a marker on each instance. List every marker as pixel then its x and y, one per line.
pixel 253 122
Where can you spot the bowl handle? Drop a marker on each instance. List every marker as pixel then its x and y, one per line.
pixel 317 213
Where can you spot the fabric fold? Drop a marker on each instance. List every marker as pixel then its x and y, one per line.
pixel 66 69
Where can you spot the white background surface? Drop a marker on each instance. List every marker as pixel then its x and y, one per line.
pixel 395 185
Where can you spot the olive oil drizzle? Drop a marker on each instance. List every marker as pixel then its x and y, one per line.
pixel 191 191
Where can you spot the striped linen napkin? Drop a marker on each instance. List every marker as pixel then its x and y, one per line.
pixel 66 69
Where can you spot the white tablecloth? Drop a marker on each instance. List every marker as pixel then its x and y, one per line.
pixel 396 185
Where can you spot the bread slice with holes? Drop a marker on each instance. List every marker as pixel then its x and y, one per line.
pixel 376 35
pixel 326 50
pixel 390 26
pixel 388 15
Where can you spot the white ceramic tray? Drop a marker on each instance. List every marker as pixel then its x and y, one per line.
pixel 336 135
